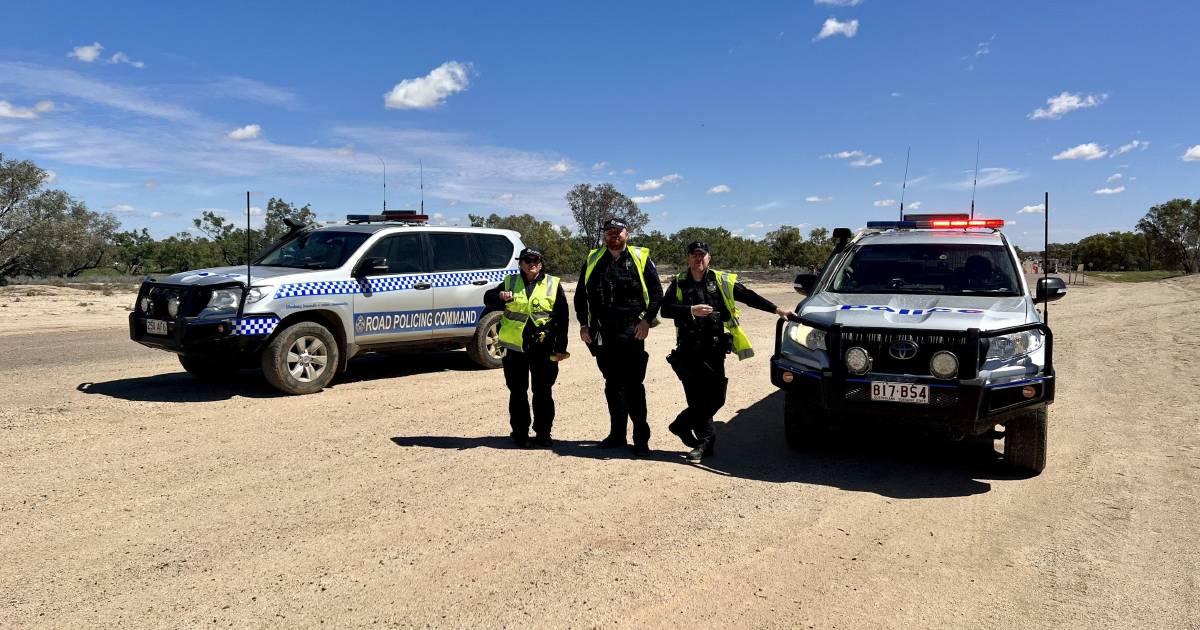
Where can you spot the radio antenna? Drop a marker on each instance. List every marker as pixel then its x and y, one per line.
pixel 904 186
pixel 384 182
pixel 421 168
pixel 247 242
pixel 975 181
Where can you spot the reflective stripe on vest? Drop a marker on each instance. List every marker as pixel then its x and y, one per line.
pixel 537 307
pixel 725 282
pixel 639 255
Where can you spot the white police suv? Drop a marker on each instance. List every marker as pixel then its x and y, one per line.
pixel 925 321
pixel 323 294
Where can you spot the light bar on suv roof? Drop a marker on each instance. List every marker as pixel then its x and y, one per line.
pixel 936 224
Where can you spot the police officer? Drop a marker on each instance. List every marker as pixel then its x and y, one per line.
pixel 702 303
pixel 616 301
pixel 533 330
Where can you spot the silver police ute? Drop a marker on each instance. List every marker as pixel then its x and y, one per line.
pixel 922 323
pixel 323 294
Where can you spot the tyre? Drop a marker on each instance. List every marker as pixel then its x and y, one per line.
pixel 1025 441
pixel 484 347
pixel 804 424
pixel 302 359
pixel 210 369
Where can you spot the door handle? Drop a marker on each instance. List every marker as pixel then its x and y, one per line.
pixel 479 282
pixel 421 286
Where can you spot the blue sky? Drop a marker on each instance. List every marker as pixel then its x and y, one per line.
pixel 734 114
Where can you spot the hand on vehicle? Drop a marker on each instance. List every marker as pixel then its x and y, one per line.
pixel 506 296
pixel 782 312
pixel 701 310
pixel 643 329
pixel 585 335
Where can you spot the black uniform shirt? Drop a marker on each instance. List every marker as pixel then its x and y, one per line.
pixel 692 328
pixel 613 295
pixel 556 330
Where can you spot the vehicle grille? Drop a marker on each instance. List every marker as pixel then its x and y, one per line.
pixel 877 343
pixel 191 300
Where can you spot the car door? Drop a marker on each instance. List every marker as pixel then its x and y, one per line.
pixel 462 273
pixel 396 307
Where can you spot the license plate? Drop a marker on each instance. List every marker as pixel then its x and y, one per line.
pixel 900 392
pixel 156 326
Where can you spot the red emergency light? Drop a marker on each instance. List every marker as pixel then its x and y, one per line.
pixel 966 223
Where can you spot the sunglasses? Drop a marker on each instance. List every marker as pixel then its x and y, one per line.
pixel 530 260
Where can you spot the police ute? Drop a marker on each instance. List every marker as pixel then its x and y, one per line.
pixel 922 323
pixel 323 294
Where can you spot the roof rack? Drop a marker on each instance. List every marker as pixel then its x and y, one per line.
pixel 406 217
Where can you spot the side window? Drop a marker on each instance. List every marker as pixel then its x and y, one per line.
pixel 451 252
pixel 496 250
pixel 403 253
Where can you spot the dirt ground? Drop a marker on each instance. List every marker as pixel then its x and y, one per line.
pixel 132 496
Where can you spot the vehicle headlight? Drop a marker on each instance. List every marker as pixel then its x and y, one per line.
pixel 1015 344
pixel 806 336
pixel 258 293
pixel 222 302
pixel 943 364
pixel 857 361
pixel 145 304
pixel 173 306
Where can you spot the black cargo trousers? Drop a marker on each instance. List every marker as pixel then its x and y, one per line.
pixel 623 362
pixel 701 369
pixel 520 370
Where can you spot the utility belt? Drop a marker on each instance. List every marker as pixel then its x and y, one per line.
pixel 704 341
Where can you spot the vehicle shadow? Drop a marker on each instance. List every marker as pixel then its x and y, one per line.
pixel 751 446
pixel 181 387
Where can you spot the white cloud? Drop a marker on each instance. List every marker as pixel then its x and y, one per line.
pixel 430 90
pixel 757 225
pixel 561 166
pixel 1126 148
pixel 884 203
pixel 767 206
pixel 50 177
pixel 1114 177
pixel 719 189
pixel 255 211
pixel 156 214
pixel 344 151
pixel 1088 151
pixel 249 132
pixel 842 155
pixel 817 199
pixel 1035 208
pixel 672 178
pixel 78 87
pixel 43 107
pixel 991 176
pixel 438 216
pixel 651 199
pixel 121 57
pixel 897 94
pixel 1110 191
pixel 838 3
pixel 868 160
pixel 879 183
pixel 1065 103
pixel 833 27
pixel 86 54
pixel 649 184
pixel 123 208
pixel 1192 154
pixel 505 196
pixel 599 166
pixel 8 110
pixel 914 205
pixel 629 171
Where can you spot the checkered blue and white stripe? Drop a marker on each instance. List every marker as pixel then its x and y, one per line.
pixel 256 325
pixel 389 283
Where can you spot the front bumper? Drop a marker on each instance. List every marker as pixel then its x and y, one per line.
pixel 198 337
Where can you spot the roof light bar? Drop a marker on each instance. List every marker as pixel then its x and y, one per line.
pixel 890 225
pixel 965 223
pixel 936 224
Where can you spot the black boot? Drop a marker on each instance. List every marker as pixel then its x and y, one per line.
pixel 705 447
pixel 681 430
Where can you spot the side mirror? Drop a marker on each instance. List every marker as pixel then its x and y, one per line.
pixel 373 266
pixel 805 283
pixel 842 234
pixel 1050 289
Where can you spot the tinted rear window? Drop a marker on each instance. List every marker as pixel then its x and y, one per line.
pixel 497 251
pixel 451 252
pixel 928 268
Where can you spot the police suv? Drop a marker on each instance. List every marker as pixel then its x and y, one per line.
pixel 925 321
pixel 323 294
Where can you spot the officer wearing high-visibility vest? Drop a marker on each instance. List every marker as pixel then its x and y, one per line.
pixel 533 331
pixel 703 303
pixel 617 301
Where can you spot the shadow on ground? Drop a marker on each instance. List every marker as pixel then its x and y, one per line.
pixel 750 446
pixel 183 388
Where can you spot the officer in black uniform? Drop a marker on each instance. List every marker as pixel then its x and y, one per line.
pixel 537 361
pixel 616 301
pixel 700 312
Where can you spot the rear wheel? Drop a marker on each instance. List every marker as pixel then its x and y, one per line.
pixel 302 359
pixel 484 347
pixel 1025 441
pixel 804 424
pixel 209 368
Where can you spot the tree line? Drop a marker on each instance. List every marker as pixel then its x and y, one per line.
pixel 47 232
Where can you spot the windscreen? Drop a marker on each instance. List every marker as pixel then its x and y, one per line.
pixel 928 268
pixel 315 250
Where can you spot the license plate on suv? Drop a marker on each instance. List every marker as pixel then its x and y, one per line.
pixel 900 392
pixel 156 327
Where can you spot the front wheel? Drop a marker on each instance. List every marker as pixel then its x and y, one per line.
pixel 484 347
pixel 302 359
pixel 1025 441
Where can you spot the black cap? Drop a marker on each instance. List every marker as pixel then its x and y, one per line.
pixel 531 251
pixel 698 245
pixel 615 222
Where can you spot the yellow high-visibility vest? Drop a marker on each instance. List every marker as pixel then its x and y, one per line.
pixel 725 282
pixel 537 307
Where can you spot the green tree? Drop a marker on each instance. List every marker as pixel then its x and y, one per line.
pixel 591 207
pixel 1173 232
pixel 786 246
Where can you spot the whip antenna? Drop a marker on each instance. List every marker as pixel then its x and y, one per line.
pixel 421 168
pixel 975 181
pixel 247 242
pixel 904 186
